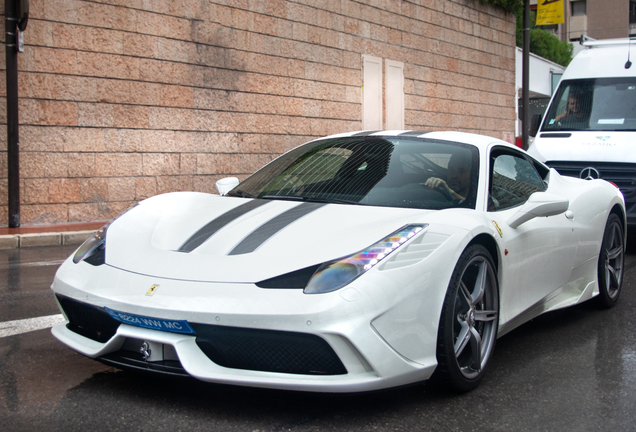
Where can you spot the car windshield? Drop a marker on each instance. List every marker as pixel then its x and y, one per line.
pixel 371 170
pixel 601 104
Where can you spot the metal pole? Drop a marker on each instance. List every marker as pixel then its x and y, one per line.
pixel 13 161
pixel 525 92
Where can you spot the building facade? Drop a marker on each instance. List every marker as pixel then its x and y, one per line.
pixel 598 19
pixel 122 100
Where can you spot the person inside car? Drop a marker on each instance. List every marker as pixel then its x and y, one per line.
pixel 457 181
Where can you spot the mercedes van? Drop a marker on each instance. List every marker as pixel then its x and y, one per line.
pixel 589 129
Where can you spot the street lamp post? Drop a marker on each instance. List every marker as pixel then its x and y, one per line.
pixel 16 16
pixel 525 78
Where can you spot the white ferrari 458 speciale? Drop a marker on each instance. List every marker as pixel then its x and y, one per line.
pixel 354 262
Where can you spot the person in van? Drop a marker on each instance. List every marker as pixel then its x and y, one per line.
pixel 576 115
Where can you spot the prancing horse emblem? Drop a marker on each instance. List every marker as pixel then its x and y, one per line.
pixel 589 173
pixel 152 290
pixel 145 350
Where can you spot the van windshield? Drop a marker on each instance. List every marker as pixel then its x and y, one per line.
pixel 599 104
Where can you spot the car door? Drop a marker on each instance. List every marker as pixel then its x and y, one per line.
pixel 538 254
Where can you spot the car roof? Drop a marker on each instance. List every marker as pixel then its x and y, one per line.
pixel 480 141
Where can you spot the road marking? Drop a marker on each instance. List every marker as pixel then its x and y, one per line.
pixel 19 264
pixel 10 328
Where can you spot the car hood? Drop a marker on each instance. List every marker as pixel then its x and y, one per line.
pixel 203 237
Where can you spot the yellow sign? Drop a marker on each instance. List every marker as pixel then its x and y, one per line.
pixel 152 290
pixel 550 12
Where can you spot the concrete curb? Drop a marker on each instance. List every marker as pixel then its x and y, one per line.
pixel 13 241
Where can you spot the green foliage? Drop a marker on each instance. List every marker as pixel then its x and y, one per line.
pixel 543 43
pixel 507 5
pixel 550 47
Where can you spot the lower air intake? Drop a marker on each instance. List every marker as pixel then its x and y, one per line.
pixel 87 320
pixel 268 350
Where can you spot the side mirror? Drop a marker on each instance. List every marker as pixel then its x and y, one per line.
pixel 225 185
pixel 538 205
pixel 535 122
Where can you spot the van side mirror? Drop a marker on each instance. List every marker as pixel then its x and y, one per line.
pixel 535 122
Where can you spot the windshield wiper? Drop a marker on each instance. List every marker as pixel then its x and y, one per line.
pixel 310 198
pixel 240 193
pixel 283 197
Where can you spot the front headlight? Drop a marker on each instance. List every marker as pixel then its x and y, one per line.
pixel 334 275
pixel 93 245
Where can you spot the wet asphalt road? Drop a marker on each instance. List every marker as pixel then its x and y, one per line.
pixel 571 370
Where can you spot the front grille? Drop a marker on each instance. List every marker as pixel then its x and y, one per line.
pixel 87 320
pixel 268 350
pixel 231 347
pixel 621 174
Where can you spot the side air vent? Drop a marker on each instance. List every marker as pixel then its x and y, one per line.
pixel 416 251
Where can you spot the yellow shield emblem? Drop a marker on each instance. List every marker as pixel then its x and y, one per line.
pixel 152 290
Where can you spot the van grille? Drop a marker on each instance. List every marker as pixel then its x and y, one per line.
pixel 621 174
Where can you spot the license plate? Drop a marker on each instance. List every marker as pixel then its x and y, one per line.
pixel 173 326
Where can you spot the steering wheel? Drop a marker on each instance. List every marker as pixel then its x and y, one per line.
pixel 440 190
pixel 445 193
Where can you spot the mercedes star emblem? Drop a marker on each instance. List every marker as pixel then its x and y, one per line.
pixel 589 173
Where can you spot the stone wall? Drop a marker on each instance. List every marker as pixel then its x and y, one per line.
pixel 124 99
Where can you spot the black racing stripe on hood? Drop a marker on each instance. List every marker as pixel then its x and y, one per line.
pixel 271 227
pixel 215 225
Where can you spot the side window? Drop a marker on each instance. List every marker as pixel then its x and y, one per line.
pixel 513 180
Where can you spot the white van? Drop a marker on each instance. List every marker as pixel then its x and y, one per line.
pixel 589 130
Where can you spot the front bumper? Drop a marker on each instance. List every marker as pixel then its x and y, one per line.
pixel 339 327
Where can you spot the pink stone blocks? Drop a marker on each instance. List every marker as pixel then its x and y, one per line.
pixel 120 101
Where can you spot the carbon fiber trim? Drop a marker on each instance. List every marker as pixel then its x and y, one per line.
pixel 212 227
pixel 365 133
pixel 414 133
pixel 132 360
pixel 271 227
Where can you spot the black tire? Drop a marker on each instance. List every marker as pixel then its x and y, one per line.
pixel 610 263
pixel 468 324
